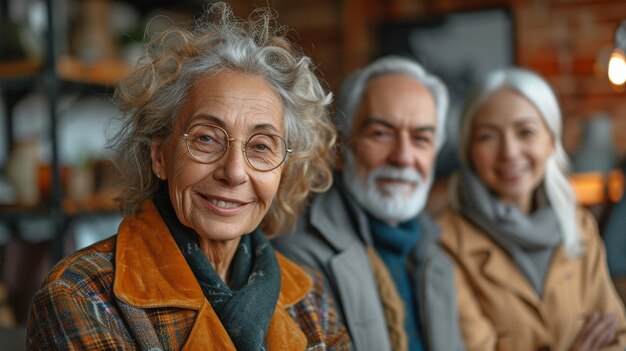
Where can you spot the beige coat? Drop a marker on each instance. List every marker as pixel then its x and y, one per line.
pixel 499 309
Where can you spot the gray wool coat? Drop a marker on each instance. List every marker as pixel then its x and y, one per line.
pixel 332 235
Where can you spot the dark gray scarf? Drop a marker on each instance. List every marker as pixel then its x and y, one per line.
pixel 247 306
pixel 530 240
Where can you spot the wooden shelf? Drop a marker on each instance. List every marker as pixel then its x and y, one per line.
pixel 15 69
pixel 12 212
pixel 106 72
pixel 101 202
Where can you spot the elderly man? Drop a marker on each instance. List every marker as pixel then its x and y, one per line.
pixel 369 234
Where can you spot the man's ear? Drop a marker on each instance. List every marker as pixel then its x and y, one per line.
pixel 158 161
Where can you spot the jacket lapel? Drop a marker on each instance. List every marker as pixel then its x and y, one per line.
pixel 283 332
pixel 145 245
pixel 562 267
pixel 435 291
pixel 333 212
pixel 208 333
pixel 360 300
pixel 337 218
pixel 499 268
pixel 434 288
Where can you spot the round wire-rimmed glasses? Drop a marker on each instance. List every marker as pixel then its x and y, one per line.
pixel 207 143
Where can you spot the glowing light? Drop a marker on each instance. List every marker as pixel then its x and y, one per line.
pixel 617 67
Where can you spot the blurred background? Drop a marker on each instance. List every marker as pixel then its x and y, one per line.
pixel 60 61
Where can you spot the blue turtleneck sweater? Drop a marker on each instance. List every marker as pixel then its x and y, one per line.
pixel 393 245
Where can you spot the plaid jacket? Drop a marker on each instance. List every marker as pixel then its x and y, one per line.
pixel 135 291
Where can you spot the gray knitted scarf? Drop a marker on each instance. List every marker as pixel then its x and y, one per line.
pixel 530 240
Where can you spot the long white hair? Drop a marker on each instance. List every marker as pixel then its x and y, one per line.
pixel 557 187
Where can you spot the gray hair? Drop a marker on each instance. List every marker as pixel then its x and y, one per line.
pixel 534 88
pixel 354 86
pixel 151 97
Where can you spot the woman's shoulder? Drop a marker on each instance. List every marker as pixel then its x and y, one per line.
pixel 85 266
pixel 588 229
pixel 317 316
pixel 586 222
pixel 311 306
pixel 447 216
pixel 316 295
pixel 448 220
pixel 75 307
pixel 456 230
pixel 295 282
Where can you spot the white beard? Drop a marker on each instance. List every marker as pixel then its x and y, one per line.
pixel 394 204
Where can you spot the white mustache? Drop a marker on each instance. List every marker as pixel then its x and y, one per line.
pixel 394 203
pixel 394 173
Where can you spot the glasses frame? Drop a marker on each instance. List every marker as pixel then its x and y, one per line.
pixel 243 146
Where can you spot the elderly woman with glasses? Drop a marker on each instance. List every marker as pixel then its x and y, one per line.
pixel 226 133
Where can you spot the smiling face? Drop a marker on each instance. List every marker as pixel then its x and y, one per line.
pixel 392 150
pixel 227 198
pixel 509 147
pixel 395 126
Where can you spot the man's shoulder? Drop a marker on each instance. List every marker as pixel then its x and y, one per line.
pixel 306 239
pixel 327 220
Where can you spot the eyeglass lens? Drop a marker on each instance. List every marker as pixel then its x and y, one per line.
pixel 207 144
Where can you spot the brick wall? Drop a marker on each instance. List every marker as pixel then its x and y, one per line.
pixel 568 41
pixel 314 24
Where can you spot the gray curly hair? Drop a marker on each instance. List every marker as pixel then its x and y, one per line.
pixel 150 99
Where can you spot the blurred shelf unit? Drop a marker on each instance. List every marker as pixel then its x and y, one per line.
pixel 107 72
pixel 100 202
pixel 52 75
pixel 23 76
pixel 19 69
pixel 70 69
pixel 78 69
